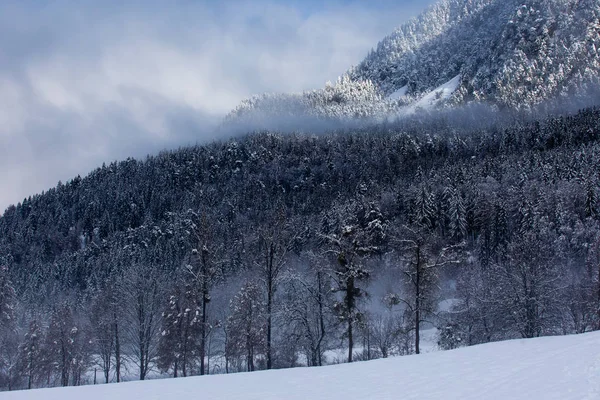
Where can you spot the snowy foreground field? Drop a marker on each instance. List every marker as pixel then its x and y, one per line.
pixel 561 368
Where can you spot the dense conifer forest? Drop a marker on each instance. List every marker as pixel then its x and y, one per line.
pixel 270 250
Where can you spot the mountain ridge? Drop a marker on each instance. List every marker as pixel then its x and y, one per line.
pixel 503 49
pixel 509 54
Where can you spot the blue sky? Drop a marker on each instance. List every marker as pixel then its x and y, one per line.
pixel 87 82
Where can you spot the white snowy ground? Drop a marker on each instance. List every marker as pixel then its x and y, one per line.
pixel 439 94
pixel 561 368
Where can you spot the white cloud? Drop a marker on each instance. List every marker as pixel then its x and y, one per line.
pixel 82 84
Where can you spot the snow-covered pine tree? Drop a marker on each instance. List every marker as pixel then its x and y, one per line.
pixel 8 326
pixel 359 234
pixel 247 325
pixel 180 331
pixel 30 364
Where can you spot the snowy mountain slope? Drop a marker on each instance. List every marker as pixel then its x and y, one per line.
pixel 561 368
pixel 398 94
pixel 514 53
pixel 510 53
pixel 437 96
pixel 345 99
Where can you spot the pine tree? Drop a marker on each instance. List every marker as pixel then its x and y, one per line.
pixel 8 326
pixel 141 293
pixel 360 232
pixel 247 325
pixel 424 208
pixel 458 216
pixel 102 326
pixel 590 200
pixel 60 341
pixel 180 331
pixel 7 301
pixel 30 354
pixel 529 280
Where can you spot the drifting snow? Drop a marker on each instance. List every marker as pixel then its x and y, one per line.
pixel 561 368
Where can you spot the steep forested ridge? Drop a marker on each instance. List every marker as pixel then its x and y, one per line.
pixel 270 246
pixel 510 53
pixel 506 53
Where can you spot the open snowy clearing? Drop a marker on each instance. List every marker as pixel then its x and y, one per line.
pixel 398 94
pixel 436 96
pixel 561 368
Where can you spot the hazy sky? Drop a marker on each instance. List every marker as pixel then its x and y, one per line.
pixel 87 82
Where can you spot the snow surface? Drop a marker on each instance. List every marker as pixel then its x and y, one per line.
pixel 561 368
pixel 438 95
pixel 398 94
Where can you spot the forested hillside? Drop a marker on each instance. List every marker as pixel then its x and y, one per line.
pixel 269 250
pixel 515 54
pixel 510 53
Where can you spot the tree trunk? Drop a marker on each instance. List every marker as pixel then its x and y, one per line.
pixel 142 340
pixel 418 302
pixel 117 347
pixel 368 343
pixel 205 300
pixel 184 355
pixel 350 290
pixel 350 340
pixel 249 346
pixel 270 278
pixel 142 366
pixel 31 369
pixel 106 371
pixel 203 338
pixel 208 353
pixel 417 333
pixel 65 364
pixel 598 300
pixel 249 357
pixel 145 323
pixel 321 319
pixel 226 350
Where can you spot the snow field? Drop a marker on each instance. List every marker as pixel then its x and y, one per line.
pixel 551 368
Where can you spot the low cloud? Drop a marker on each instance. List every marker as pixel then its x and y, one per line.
pixel 87 82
